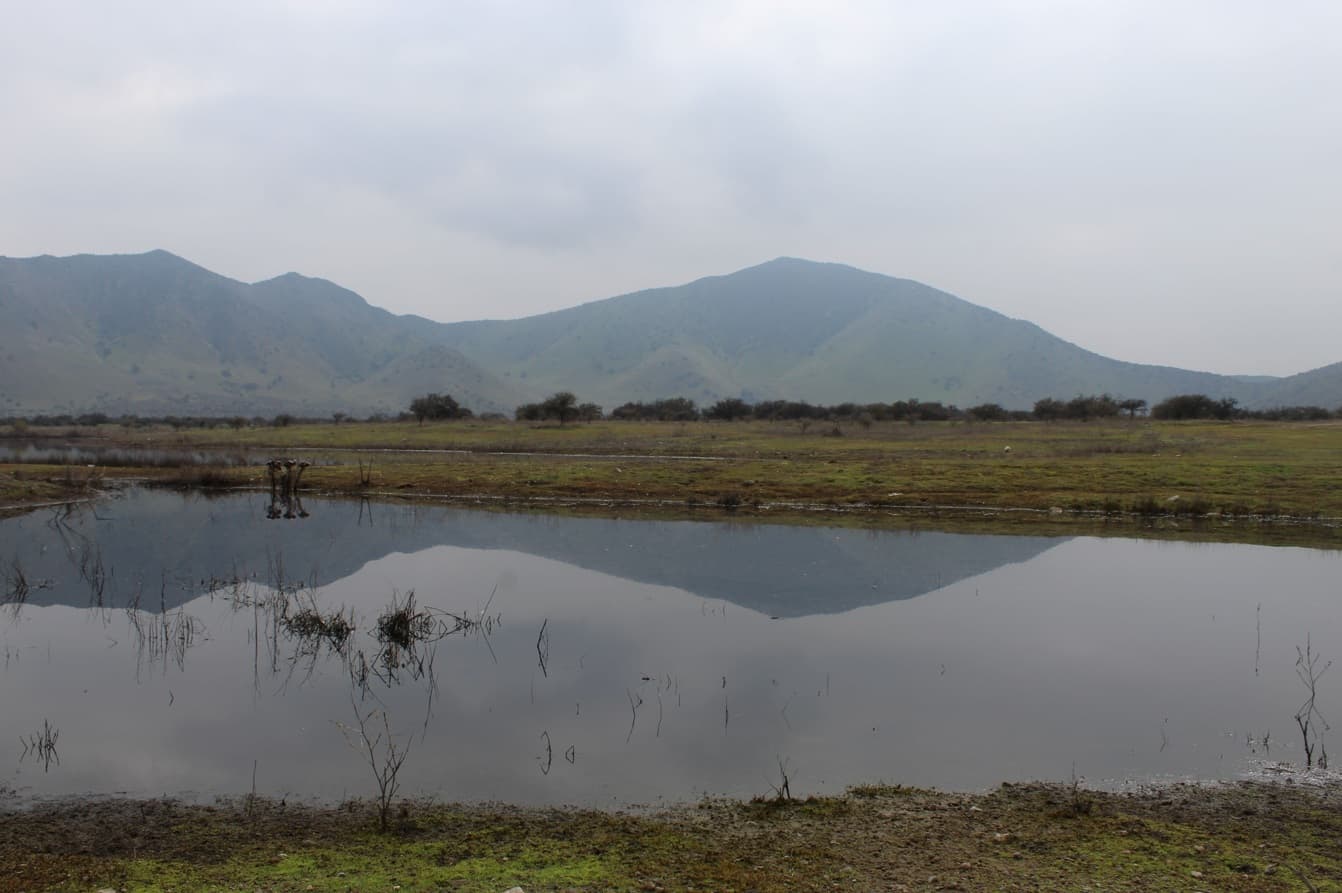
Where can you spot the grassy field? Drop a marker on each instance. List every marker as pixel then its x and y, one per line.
pixel 1208 471
pixel 1035 837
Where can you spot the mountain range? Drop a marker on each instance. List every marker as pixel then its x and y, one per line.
pixel 155 334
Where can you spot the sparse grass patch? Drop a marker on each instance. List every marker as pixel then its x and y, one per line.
pixel 1234 837
pixel 204 477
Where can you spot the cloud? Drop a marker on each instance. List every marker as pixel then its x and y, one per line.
pixel 1091 166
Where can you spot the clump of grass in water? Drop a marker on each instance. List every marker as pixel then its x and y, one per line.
pixel 202 477
pixel 730 501
pixel 403 624
pixel 1147 505
pixel 17 586
pixel 309 623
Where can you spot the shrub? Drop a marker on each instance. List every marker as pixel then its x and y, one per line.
pixel 728 410
pixel 1195 406
pixel 436 406
pixel 988 412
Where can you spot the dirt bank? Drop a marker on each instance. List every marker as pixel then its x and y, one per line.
pixel 1031 837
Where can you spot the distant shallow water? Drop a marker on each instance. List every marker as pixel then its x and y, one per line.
pixel 92 453
pixel 636 661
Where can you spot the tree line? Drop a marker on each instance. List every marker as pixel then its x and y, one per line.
pixel 564 408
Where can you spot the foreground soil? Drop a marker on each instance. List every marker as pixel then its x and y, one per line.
pixel 1034 837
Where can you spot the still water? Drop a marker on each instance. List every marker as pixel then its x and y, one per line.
pixel 614 662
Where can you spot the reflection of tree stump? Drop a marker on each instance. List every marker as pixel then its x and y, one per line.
pixel 285 477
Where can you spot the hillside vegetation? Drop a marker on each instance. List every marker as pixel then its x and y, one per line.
pixel 154 334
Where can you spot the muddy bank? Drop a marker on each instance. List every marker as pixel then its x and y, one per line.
pixel 1248 836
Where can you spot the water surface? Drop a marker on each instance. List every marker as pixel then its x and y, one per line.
pixel 633 661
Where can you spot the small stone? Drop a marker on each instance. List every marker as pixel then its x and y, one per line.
pixel 1195 873
pixel 514 890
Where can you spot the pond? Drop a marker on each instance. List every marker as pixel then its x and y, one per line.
pixel 167 644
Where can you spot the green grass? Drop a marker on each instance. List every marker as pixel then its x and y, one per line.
pixel 1194 471
pixel 1238 838
pixel 28 485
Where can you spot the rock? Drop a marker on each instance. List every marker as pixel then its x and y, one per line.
pixel 514 890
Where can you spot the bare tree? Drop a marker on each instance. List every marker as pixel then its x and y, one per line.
pixel 380 748
pixel 1308 717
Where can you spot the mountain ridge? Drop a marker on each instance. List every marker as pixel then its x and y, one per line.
pixel 155 333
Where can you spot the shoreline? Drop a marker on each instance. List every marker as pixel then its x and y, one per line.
pixel 1247 482
pixel 1278 530
pixel 1230 836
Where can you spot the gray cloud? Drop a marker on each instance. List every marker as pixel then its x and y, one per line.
pixel 1155 181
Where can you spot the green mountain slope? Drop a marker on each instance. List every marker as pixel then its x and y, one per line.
pixel 156 334
pixel 820 332
pixel 1317 387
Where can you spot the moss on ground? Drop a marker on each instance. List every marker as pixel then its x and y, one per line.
pixel 1027 837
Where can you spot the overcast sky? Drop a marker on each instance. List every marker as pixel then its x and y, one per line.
pixel 1157 181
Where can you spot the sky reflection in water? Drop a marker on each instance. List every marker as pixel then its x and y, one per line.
pixel 682 657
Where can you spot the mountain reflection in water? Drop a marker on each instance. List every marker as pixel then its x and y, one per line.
pixel 173 644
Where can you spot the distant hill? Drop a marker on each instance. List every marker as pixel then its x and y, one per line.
pixel 1318 387
pixel 809 331
pixel 156 334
